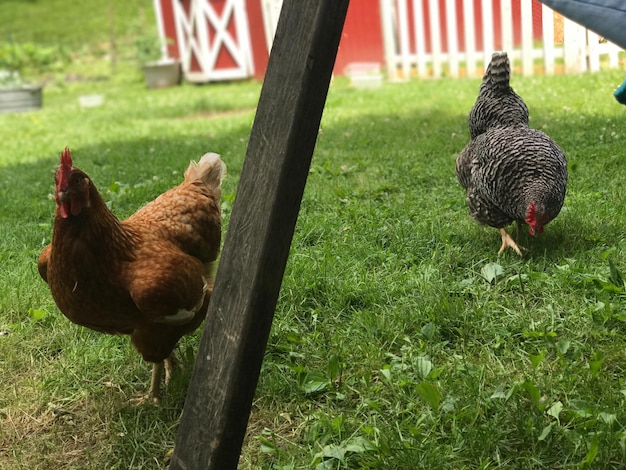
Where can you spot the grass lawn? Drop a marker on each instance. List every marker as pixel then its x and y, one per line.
pixel 77 26
pixel 401 339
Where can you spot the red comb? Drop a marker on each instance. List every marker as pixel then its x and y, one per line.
pixel 65 169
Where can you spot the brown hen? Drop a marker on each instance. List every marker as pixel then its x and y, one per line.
pixel 149 276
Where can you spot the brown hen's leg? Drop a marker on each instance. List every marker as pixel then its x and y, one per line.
pixel 154 394
pixel 508 242
pixel 171 362
pixel 158 370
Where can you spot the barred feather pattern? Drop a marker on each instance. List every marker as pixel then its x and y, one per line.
pixel 506 168
pixel 497 104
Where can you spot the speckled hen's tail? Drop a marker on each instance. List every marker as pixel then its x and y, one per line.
pixel 498 71
pixel 210 169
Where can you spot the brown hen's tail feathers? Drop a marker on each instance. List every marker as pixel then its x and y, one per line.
pixel 210 169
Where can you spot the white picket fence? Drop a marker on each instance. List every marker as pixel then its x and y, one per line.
pixel 404 26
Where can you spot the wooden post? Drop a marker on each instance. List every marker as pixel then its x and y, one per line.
pixel 261 227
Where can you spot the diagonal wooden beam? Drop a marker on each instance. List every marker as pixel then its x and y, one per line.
pixel 260 231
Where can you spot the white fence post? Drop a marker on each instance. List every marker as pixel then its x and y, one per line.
pixel 573 51
pixel 389 43
pixel 593 51
pixel 403 33
pixel 527 38
pixel 435 36
pixel 488 42
pixel 419 27
pixel 547 25
pixel 470 37
pixel 506 15
pixel 453 37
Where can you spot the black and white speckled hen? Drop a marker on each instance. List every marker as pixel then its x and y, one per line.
pixel 510 171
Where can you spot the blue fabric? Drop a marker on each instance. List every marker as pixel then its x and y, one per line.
pixel 605 17
pixel 620 93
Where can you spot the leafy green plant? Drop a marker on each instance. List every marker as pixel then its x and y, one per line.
pixel 149 48
pixel 348 454
pixel 18 60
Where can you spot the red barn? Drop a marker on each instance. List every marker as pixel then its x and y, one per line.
pixel 230 39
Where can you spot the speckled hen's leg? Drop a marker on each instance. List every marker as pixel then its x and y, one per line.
pixel 508 242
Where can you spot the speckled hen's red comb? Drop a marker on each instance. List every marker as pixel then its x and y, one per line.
pixel 65 169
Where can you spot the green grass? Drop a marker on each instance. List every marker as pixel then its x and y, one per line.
pixel 385 307
pixel 82 41
pixel 76 25
pixel 401 340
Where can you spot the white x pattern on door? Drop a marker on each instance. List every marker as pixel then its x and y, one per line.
pixel 205 33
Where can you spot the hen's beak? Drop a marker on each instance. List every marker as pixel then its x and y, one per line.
pixel 63 202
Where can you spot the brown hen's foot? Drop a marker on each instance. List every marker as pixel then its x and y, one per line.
pixel 147 399
pixel 154 393
pixel 508 242
pixel 158 370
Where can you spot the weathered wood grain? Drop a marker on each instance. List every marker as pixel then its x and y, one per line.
pixel 259 236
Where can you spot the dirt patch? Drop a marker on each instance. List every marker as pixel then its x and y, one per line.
pixel 52 436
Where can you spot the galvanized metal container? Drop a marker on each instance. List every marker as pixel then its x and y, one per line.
pixel 20 98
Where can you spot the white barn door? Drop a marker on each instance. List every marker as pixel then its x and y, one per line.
pixel 213 40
